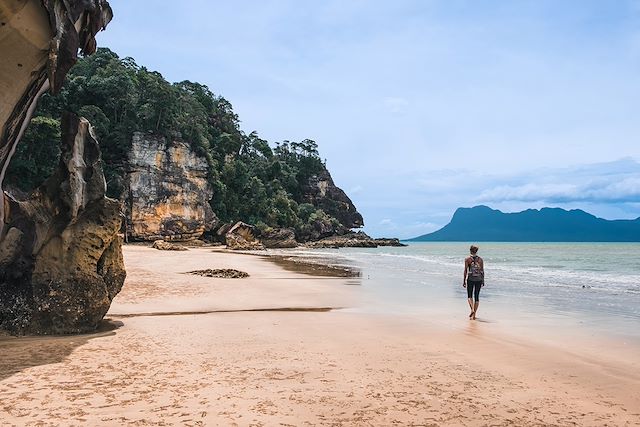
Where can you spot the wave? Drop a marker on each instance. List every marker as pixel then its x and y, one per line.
pixel 510 273
pixel 507 272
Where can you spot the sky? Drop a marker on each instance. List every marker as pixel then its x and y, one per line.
pixel 422 106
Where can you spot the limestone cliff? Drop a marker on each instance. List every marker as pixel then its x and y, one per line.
pixel 167 194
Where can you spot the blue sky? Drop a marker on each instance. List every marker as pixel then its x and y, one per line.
pixel 420 107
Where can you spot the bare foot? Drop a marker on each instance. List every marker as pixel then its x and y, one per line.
pixel 474 316
pixel 471 315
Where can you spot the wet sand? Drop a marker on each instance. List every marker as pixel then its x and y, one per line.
pixel 275 349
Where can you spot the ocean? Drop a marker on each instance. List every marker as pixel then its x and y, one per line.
pixel 583 288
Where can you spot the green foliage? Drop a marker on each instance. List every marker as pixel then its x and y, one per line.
pixel 252 181
pixel 36 156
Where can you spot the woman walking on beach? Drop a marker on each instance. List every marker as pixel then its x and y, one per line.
pixel 473 279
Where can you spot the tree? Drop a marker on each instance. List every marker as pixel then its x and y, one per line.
pixel 252 180
pixel 36 156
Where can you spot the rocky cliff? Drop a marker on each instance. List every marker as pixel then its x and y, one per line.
pixel 168 194
pixel 322 193
pixel 279 185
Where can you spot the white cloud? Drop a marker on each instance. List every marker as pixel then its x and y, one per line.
pixel 422 202
pixel 606 188
pixel 421 107
pixel 527 192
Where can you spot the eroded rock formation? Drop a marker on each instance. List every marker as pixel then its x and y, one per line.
pixel 39 43
pixel 61 260
pixel 60 255
pixel 167 190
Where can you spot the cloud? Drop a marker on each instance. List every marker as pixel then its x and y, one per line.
pixel 408 204
pixel 421 107
pixel 613 182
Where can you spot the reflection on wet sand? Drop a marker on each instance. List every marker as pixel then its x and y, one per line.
pixel 184 313
pixel 318 267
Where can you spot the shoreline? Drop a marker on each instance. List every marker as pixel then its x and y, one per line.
pixel 277 349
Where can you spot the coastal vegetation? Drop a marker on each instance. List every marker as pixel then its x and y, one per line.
pixel 253 180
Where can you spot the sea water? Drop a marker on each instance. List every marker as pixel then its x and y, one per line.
pixel 591 288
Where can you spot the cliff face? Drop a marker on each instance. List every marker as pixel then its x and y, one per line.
pixel 322 193
pixel 167 191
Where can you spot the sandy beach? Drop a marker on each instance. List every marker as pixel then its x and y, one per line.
pixel 283 348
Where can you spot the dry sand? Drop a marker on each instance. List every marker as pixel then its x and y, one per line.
pixel 184 351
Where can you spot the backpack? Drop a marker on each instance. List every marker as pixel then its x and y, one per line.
pixel 475 269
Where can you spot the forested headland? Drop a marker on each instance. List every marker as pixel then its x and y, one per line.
pixel 253 180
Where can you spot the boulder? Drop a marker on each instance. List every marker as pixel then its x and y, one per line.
pixel 242 236
pixel 61 259
pixel 279 238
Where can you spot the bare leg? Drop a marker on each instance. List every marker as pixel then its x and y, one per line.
pixel 475 309
pixel 470 301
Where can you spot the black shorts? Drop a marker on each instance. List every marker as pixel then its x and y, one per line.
pixel 473 289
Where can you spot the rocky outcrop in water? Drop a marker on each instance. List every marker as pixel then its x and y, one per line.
pixel 349 240
pixel 386 241
pixel 168 193
pixel 61 260
pixel 354 240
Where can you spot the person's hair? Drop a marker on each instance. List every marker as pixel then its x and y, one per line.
pixel 473 249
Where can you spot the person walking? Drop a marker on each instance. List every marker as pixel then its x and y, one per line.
pixel 473 279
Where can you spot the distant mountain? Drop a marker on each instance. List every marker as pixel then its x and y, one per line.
pixel 482 223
